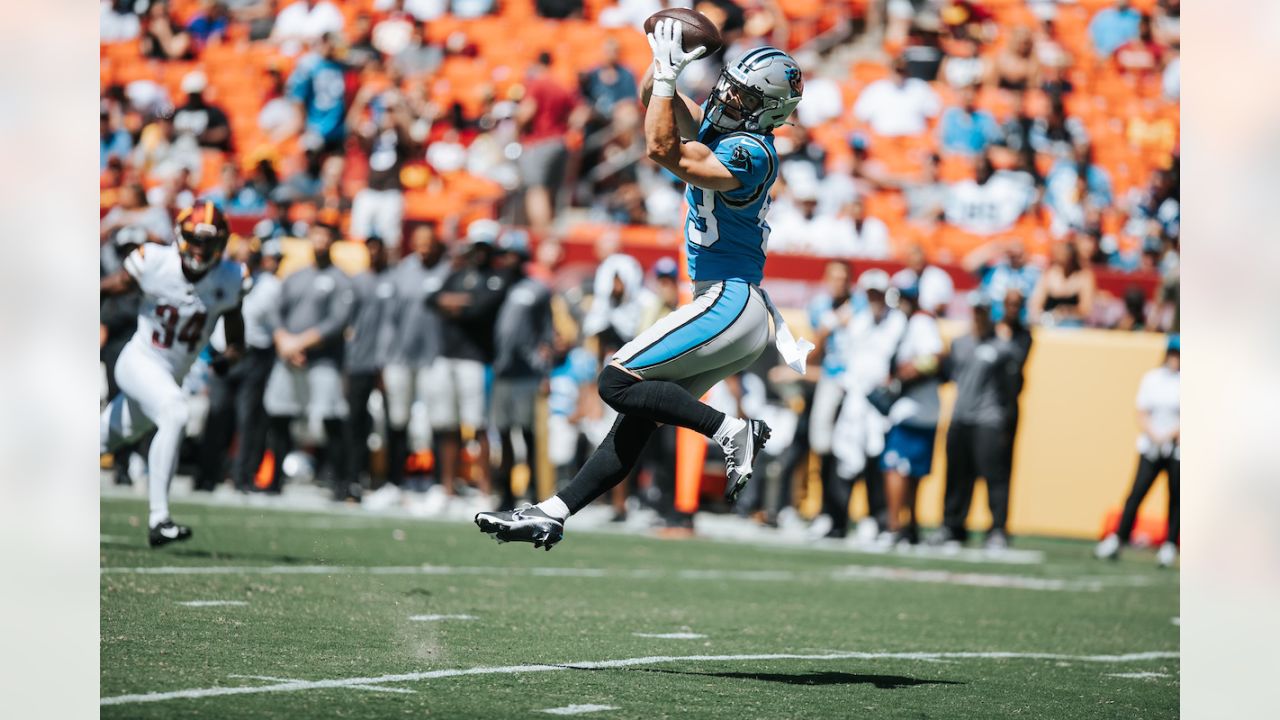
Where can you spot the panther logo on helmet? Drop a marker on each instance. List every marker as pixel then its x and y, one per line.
pixel 202 233
pixel 797 81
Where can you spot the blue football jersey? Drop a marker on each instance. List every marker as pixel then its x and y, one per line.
pixel 725 233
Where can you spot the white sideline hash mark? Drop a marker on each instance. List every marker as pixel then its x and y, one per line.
pixel 849 573
pixel 296 685
pixel 433 618
pixel 672 636
pixel 577 709
pixel 211 603
pixel 1139 675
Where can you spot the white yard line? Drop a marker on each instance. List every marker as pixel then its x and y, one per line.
pixel 372 688
pixel 1139 675
pixel 211 603
pixel 851 573
pixel 577 709
pixel 436 618
pixel 671 636
pixel 362 682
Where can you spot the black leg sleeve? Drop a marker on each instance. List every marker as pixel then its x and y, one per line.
pixel 1174 470
pixel 610 463
pixel 658 401
pixel 1142 482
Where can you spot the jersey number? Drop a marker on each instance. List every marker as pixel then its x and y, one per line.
pixel 190 333
pixel 709 228
pixel 705 220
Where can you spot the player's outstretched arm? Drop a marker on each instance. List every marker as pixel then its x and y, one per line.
pixel 688 112
pixel 691 161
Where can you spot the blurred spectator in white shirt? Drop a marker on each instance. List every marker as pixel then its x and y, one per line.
pixel 1171 81
pixel 793 222
pixel 117 22
pixel 852 233
pixel 989 204
pixel 934 285
pixel 898 106
pixel 305 21
pixel 629 13
pixel 134 211
pixel 823 102
pixel 420 9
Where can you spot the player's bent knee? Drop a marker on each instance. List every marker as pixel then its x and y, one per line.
pixel 175 415
pixel 613 382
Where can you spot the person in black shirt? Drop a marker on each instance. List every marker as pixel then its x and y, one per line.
pixel 118 318
pixel 523 340
pixel 468 303
pixel 379 208
pixel 200 119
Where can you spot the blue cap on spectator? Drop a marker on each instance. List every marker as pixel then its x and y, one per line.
pixel 666 268
pixel 272 248
pixel 859 141
pixel 514 240
pixel 1175 344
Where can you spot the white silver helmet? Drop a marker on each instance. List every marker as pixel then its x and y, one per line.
pixel 757 93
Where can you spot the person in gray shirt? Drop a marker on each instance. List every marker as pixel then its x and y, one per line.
pixel 523 340
pixel 235 398
pixel 315 308
pixel 373 332
pixel 985 365
pixel 416 345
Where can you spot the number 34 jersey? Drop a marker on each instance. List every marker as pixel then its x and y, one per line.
pixel 726 235
pixel 177 316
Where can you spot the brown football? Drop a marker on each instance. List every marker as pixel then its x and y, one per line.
pixel 697 30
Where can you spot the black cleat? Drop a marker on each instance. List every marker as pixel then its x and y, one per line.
pixel 524 524
pixel 167 532
pixel 740 455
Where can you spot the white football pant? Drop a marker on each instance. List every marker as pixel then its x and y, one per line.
pixel 149 397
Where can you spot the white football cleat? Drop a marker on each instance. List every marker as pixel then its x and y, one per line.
pixel 1108 549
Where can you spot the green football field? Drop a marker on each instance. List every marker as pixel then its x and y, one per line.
pixel 282 614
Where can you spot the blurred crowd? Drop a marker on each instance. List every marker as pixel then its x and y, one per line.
pixel 1011 163
pixel 949 126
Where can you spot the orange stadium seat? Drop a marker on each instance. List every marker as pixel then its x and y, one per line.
pixel 429 206
pixel 211 162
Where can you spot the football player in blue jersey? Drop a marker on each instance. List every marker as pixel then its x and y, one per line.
pixel 724 151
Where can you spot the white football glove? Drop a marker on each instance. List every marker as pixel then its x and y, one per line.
pixel 669 56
